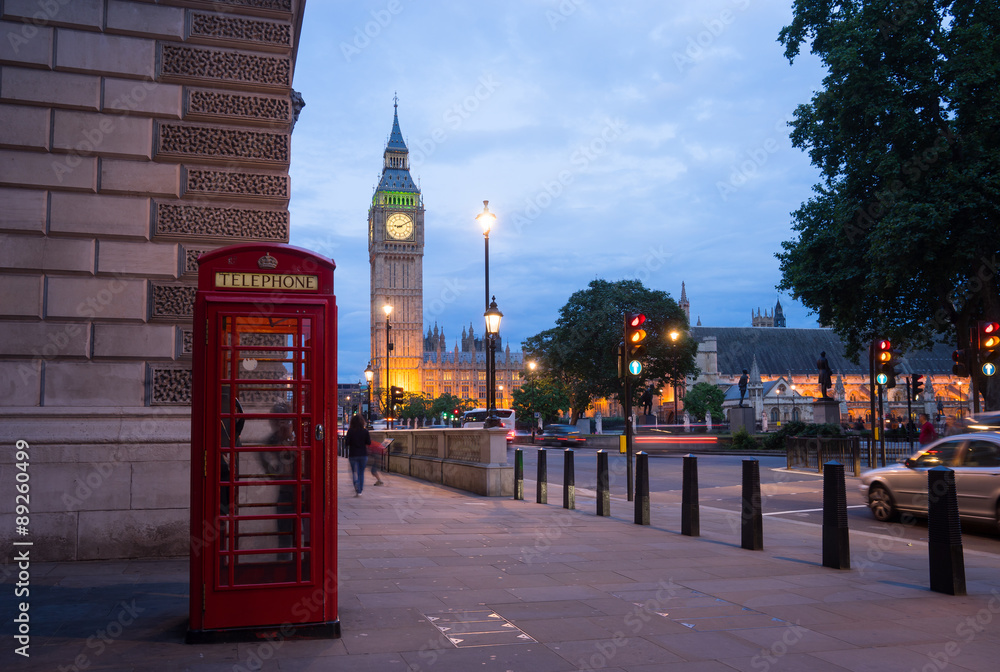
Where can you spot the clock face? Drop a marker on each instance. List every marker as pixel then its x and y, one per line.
pixel 399 226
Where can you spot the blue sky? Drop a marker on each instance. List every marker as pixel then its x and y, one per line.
pixel 613 140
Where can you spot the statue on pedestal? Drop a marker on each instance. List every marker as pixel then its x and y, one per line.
pixel 647 401
pixel 744 379
pixel 825 375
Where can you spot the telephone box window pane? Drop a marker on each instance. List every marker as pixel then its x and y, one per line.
pixel 267 459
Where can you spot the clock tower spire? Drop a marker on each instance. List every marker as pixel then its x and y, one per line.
pixel 395 254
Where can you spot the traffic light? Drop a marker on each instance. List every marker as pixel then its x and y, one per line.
pixel 961 366
pixel 916 385
pixel 989 347
pixel 635 342
pixel 396 394
pixel 886 358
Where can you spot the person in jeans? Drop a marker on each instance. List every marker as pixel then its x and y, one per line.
pixel 358 439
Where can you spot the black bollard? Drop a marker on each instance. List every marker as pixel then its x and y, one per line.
pixel 944 533
pixel 569 480
pixel 603 494
pixel 518 473
pixel 641 488
pixel 541 483
pixel 751 518
pixel 836 537
pixel 690 513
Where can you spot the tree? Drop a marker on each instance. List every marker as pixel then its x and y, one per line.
pixel 901 237
pixel 581 350
pixel 414 405
pixel 450 404
pixel 704 397
pixel 543 394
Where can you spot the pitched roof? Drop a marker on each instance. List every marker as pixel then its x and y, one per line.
pixel 782 351
pixel 396 143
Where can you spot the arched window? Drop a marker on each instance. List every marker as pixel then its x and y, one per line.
pixel 774 415
pixel 795 414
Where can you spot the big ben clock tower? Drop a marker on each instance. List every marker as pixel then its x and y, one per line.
pixel 396 252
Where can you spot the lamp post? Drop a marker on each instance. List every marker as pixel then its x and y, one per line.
pixel 493 316
pixel 486 220
pixel 500 395
pixel 674 335
pixel 369 376
pixel 387 309
pixel 794 409
pixel 777 391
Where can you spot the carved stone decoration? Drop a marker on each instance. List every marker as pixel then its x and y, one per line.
pixel 463 448
pixel 425 445
pixel 239 29
pixel 187 341
pixel 283 6
pixel 191 259
pixel 205 104
pixel 211 144
pixel 208 182
pixel 170 386
pixel 186 221
pixel 173 301
pixel 298 102
pixel 181 63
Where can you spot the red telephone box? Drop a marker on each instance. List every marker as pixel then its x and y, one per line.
pixel 263 446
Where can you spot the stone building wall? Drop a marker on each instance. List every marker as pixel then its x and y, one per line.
pixel 135 137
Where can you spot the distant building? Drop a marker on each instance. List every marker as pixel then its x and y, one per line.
pixel 775 318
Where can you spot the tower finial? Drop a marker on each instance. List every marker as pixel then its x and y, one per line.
pixel 395 100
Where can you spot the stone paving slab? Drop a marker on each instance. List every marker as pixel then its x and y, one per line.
pixel 569 591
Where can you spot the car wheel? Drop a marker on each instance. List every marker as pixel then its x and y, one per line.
pixel 881 504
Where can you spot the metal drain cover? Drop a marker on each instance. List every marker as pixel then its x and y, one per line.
pixel 477 627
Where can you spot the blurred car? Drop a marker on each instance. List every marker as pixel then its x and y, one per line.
pixel 561 435
pixel 903 487
pixel 983 422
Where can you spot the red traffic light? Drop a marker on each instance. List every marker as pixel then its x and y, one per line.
pixel 990 337
pixel 636 320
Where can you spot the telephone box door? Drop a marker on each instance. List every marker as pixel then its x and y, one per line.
pixel 265 484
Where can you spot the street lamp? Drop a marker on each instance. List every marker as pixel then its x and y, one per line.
pixel 486 220
pixel 387 309
pixel 369 376
pixel 493 316
pixel 500 394
pixel 778 392
pixel 674 335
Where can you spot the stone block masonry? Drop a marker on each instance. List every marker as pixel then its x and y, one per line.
pixel 136 136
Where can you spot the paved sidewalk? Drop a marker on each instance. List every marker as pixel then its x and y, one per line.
pixel 436 579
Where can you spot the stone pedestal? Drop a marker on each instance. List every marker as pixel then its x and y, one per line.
pixel 742 418
pixel 641 419
pixel 826 411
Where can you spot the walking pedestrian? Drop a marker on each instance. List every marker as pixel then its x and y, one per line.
pixel 377 451
pixel 358 439
pixel 927 432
